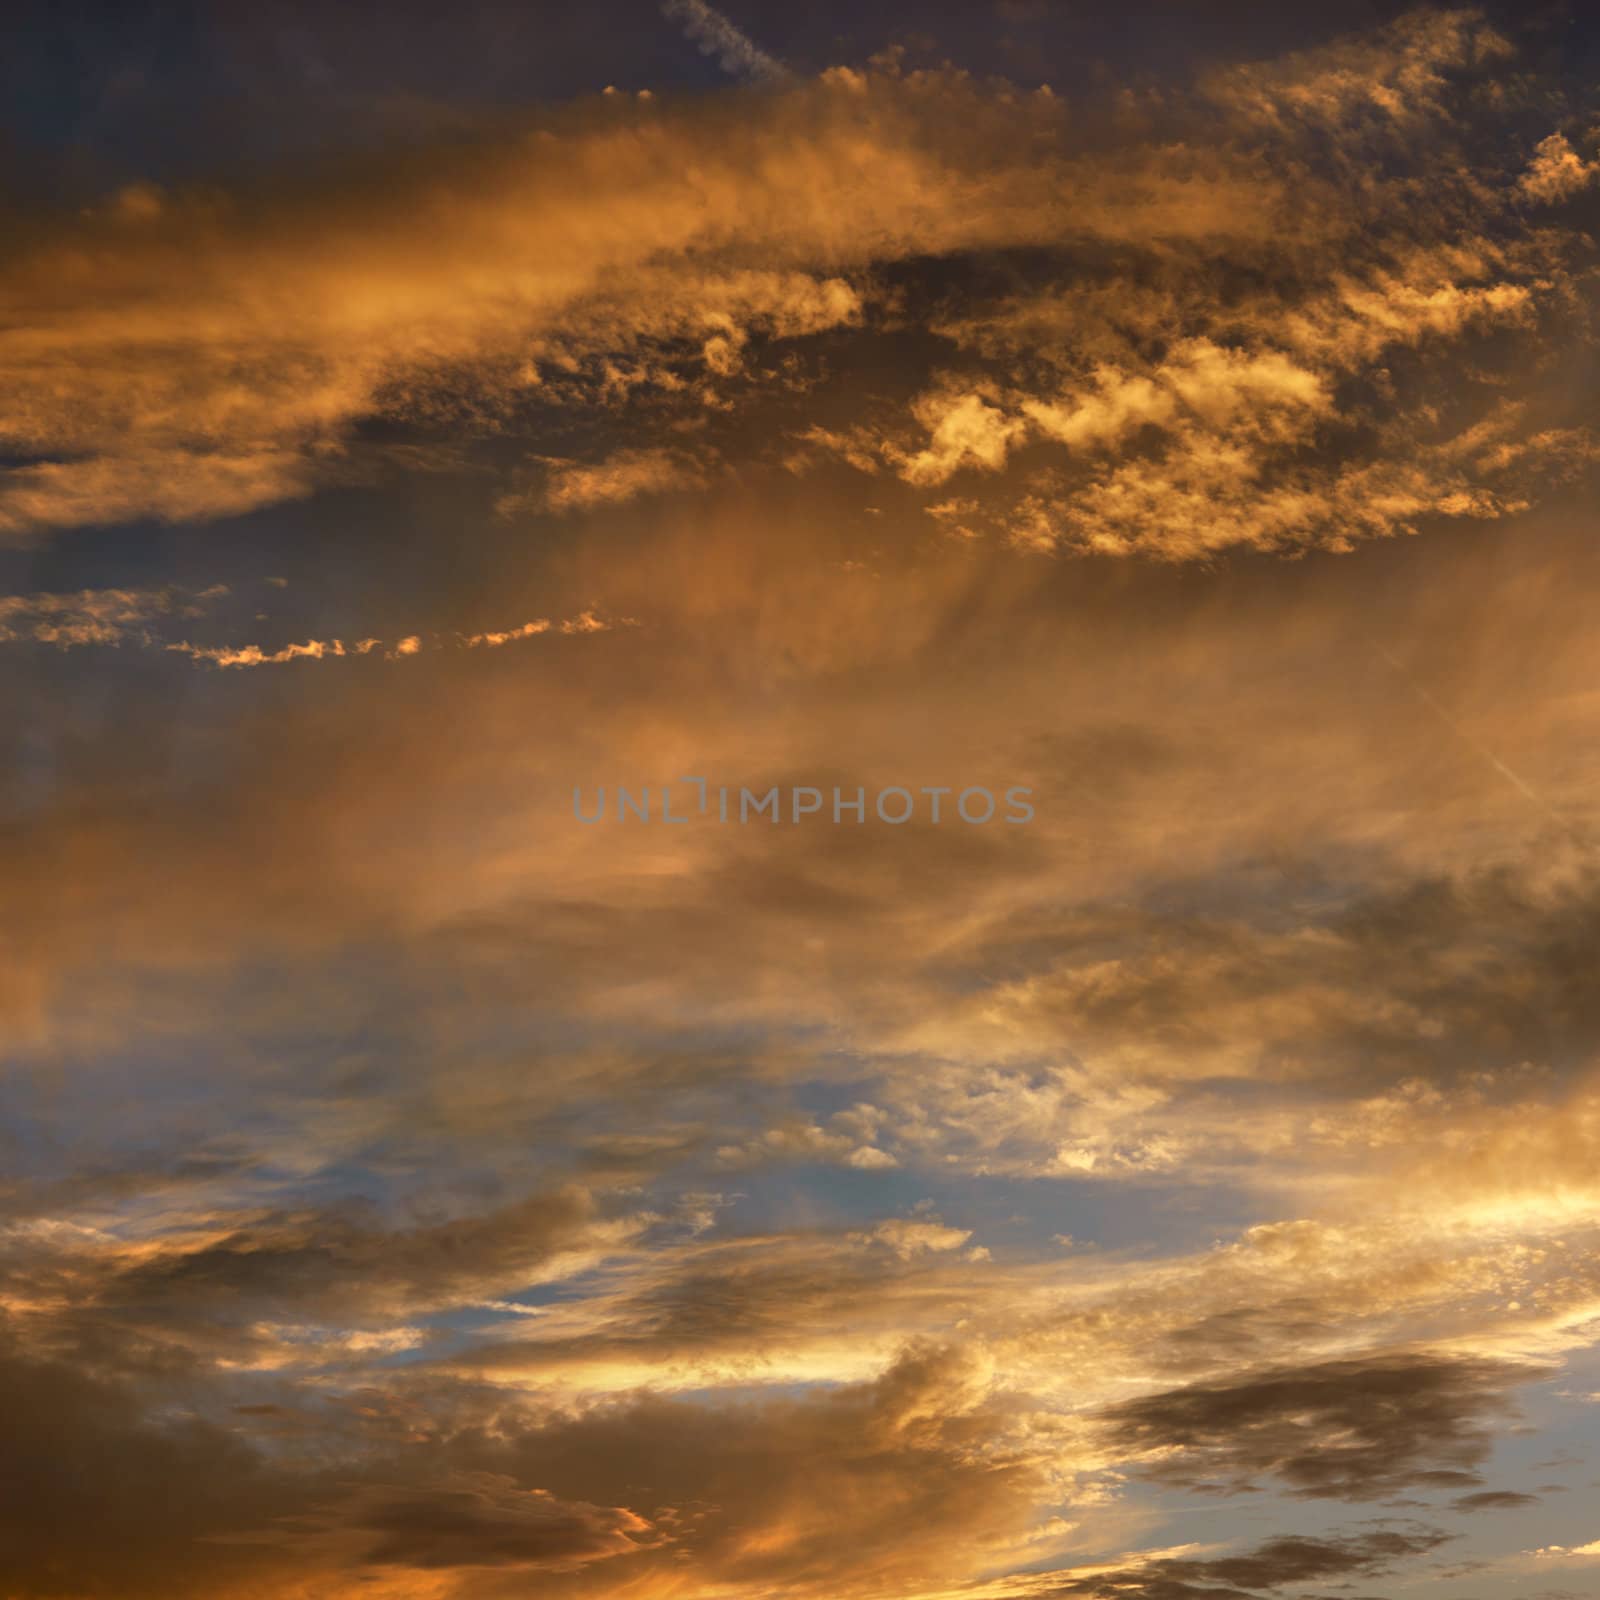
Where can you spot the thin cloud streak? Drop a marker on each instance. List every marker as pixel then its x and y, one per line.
pixel 716 36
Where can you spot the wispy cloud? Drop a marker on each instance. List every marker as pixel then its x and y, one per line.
pixel 98 616
pixel 411 645
pixel 716 36
pixel 137 617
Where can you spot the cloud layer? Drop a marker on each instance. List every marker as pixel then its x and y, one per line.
pixel 415 1190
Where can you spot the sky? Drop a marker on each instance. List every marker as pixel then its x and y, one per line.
pixel 455 462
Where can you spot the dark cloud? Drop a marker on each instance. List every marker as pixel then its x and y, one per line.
pixel 1494 1500
pixel 488 1521
pixel 179 1504
pixel 1343 1430
pixel 325 1261
pixel 1276 1563
pixel 1494 961
pixel 96 1497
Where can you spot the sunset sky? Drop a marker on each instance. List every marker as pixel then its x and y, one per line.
pixel 412 415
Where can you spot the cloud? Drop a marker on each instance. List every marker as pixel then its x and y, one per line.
pixel 1396 76
pixel 620 478
pixel 1344 1430
pixel 965 430
pixel 417 1190
pixel 1211 445
pixel 492 641
pixel 1557 1551
pixel 118 616
pixel 97 616
pixel 162 1496
pixel 756 1487
pixel 1557 172
pixel 220 354
pixel 1273 1565
pixel 1495 1500
pixel 176 484
pixel 746 1491
pixel 332 1266
pixel 908 1236
pixel 718 37
pixel 486 1520
pixel 208 354
pixel 252 655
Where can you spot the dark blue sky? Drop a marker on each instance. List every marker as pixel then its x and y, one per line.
pixel 95 94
